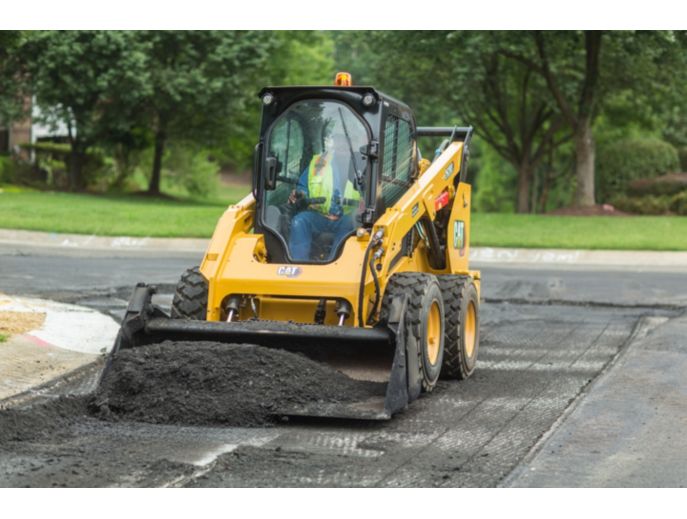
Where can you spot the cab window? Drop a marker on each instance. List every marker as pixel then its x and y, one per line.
pixel 397 161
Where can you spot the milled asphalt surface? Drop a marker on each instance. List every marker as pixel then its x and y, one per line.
pixel 629 430
pixel 536 412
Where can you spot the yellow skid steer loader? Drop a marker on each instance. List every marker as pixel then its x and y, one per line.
pixel 351 249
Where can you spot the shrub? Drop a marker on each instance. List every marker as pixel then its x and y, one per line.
pixel 191 170
pixel 13 170
pixel 678 204
pixel 682 153
pixel 649 204
pixel 493 182
pixel 628 159
pixel 5 169
pixel 670 184
pixel 52 163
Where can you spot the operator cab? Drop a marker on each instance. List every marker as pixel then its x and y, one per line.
pixel 330 160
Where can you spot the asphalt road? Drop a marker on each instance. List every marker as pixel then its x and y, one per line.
pixel 100 280
pixel 546 334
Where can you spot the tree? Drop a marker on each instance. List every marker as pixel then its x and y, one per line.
pixel 295 58
pixel 463 76
pixel 198 83
pixel 569 62
pixel 91 81
pixel 12 86
pixel 507 103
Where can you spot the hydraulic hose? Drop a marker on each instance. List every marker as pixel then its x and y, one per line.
pixel 374 242
pixel 377 289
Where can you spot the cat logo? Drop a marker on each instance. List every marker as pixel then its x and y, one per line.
pixel 289 272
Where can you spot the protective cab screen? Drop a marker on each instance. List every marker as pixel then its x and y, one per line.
pixel 316 201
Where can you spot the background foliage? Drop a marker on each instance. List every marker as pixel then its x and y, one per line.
pixel 168 110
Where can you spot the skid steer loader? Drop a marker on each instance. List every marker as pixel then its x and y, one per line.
pixel 351 249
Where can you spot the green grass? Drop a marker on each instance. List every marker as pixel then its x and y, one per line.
pixel 3 337
pixel 112 215
pixel 133 215
pixel 580 232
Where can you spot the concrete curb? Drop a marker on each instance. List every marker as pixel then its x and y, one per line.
pixel 609 258
pixel 11 237
pixel 69 327
pixel 70 337
pixel 481 255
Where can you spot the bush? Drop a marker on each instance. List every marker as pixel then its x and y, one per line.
pixel 493 182
pixel 652 204
pixel 6 169
pixel 670 184
pixel 623 161
pixel 191 170
pixel 682 153
pixel 678 204
pixel 13 170
pixel 52 163
pixel 649 204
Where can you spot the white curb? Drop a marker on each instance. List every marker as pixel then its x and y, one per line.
pixel 69 327
pixel 609 258
pixel 19 238
pixel 486 255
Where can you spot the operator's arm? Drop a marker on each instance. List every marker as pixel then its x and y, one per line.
pixel 301 190
pixel 303 182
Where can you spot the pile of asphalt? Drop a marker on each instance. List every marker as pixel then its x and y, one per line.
pixel 208 383
pixel 45 419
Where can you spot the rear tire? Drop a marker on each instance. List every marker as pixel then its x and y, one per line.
pixel 424 320
pixel 461 338
pixel 191 296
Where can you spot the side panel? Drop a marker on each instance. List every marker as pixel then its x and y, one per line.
pixel 236 220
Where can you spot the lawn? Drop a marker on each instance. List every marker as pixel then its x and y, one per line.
pixel 113 215
pixel 580 232
pixel 132 215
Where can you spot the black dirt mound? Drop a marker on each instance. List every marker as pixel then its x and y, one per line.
pixel 204 383
pixel 41 420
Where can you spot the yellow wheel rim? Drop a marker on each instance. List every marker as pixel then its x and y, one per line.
pixel 433 333
pixel 470 329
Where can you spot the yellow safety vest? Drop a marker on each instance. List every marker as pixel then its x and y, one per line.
pixel 321 185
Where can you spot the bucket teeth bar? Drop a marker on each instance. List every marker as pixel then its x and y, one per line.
pixel 374 354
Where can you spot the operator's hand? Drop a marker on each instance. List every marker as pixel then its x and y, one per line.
pixel 295 196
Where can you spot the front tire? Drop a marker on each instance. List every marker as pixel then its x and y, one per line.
pixel 424 320
pixel 191 296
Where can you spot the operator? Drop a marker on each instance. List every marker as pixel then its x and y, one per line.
pixel 330 195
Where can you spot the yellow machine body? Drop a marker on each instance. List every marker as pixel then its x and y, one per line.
pixel 236 260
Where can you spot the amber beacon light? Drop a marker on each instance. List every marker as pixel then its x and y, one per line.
pixel 343 79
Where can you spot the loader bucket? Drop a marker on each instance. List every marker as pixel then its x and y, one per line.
pixel 364 354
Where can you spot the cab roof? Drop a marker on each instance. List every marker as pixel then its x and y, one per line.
pixel 305 91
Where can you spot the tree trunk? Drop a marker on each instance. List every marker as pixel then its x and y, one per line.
pixel 154 186
pixel 524 181
pixel 584 163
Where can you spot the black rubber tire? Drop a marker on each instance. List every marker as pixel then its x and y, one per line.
pixel 458 292
pixel 191 296
pixel 422 290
